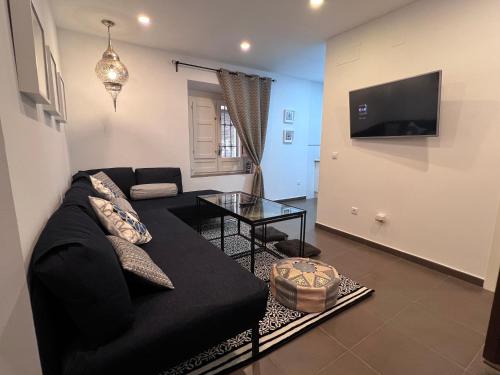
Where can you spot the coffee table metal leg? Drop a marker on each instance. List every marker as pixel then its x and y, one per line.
pixel 302 236
pixel 255 340
pixel 222 232
pixel 239 226
pixel 252 250
pixel 265 237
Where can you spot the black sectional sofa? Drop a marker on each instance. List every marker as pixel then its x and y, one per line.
pixel 90 320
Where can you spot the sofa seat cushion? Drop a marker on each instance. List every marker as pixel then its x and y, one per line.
pixel 214 299
pixel 183 205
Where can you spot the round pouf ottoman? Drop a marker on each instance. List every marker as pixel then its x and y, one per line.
pixel 304 284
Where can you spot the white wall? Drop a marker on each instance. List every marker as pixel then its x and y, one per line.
pixel 34 172
pixel 441 194
pixel 151 126
pixel 314 137
pixel 493 269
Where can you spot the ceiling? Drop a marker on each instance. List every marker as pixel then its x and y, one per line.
pixel 287 36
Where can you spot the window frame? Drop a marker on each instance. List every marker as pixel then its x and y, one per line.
pixel 197 164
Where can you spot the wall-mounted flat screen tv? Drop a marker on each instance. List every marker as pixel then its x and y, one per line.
pixel 405 108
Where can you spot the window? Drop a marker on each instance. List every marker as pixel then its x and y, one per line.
pixel 215 145
pixel 229 141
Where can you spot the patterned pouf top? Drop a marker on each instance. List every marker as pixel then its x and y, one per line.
pixel 304 284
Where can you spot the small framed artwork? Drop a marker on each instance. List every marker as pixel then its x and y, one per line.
pixel 54 108
pixel 288 135
pixel 29 47
pixel 61 93
pixel 288 116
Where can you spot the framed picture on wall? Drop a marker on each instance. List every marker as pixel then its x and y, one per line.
pixel 288 116
pixel 54 108
pixel 288 135
pixel 61 93
pixel 29 47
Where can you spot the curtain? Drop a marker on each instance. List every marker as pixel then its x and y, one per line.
pixel 247 98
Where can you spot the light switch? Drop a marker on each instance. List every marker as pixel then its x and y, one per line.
pixel 335 155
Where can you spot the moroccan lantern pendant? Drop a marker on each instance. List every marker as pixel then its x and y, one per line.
pixel 110 70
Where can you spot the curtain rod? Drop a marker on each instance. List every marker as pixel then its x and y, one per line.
pixel 177 63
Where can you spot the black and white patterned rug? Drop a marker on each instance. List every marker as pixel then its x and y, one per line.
pixel 278 326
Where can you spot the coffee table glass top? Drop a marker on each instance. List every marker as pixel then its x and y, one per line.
pixel 258 209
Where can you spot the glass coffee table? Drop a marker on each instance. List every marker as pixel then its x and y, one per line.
pixel 254 211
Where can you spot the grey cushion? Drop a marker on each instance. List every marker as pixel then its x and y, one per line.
pixel 151 191
pixel 292 248
pixel 135 260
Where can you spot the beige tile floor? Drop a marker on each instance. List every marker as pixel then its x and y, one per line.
pixel 419 321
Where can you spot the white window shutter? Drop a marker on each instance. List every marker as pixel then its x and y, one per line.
pixel 205 142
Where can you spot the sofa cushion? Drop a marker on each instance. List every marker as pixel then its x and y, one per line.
pixel 153 191
pixel 136 261
pixel 77 264
pixel 159 175
pixel 124 205
pixel 109 183
pixel 120 223
pixel 104 191
pixel 123 177
pixel 214 299
pixel 182 205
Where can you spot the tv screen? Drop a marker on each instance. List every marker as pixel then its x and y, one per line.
pixel 409 107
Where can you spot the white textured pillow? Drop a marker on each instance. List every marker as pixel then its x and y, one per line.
pixel 110 184
pixel 103 191
pixel 150 191
pixel 120 223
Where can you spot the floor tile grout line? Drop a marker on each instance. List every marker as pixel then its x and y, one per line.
pixel 349 351
pixel 384 324
pixel 332 361
pixel 474 358
pixel 446 317
pixel 432 349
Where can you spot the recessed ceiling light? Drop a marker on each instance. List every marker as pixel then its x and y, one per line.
pixel 245 46
pixel 143 19
pixel 315 4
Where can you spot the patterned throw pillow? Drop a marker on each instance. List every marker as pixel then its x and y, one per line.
pixel 103 191
pixel 135 260
pixel 109 183
pixel 125 205
pixel 120 223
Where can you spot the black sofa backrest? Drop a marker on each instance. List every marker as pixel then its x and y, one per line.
pixel 124 177
pixel 159 175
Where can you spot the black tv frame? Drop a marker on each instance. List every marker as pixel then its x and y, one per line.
pixel 438 117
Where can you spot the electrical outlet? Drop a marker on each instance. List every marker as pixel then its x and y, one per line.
pixel 354 210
